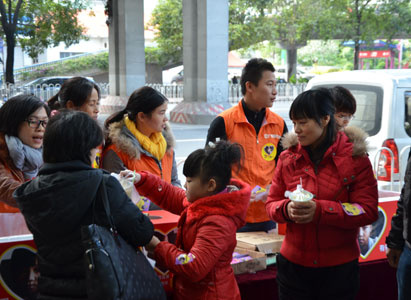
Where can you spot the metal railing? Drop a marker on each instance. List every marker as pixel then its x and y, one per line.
pixel 173 92
pixel 44 91
pixel 285 91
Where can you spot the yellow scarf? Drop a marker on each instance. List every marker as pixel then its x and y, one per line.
pixel 156 144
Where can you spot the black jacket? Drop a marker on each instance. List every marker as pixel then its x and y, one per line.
pixel 56 204
pixel 400 225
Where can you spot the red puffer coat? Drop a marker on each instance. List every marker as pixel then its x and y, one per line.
pixel 344 175
pixel 207 229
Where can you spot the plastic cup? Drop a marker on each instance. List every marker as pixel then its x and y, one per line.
pixel 301 196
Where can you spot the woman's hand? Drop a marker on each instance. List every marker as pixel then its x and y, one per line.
pixel 301 212
pixel 153 244
pixel 130 174
pixel 393 256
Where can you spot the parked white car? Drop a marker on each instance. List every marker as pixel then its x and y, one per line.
pixel 384 112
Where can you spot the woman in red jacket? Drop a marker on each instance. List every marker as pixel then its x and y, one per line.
pixel 319 255
pixel 211 209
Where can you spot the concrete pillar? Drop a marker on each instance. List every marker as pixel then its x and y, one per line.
pixel 126 47
pixel 205 57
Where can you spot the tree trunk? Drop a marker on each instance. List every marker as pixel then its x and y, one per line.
pixel 11 43
pixel 356 54
pixel 291 63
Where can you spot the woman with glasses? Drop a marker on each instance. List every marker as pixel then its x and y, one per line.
pixel 81 94
pixel 345 106
pixel 22 123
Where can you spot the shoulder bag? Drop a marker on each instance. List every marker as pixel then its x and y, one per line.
pixel 114 269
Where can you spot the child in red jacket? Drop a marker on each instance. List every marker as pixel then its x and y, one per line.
pixel 211 210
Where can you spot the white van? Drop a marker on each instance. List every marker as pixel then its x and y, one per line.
pixel 384 112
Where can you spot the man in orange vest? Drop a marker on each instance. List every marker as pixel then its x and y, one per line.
pixel 254 126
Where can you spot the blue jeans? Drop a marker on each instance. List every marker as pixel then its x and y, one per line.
pixel 404 275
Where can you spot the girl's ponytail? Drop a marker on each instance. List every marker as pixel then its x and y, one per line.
pixel 215 161
pixel 54 103
pixel 115 117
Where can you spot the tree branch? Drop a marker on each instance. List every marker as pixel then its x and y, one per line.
pixel 3 15
pixel 17 11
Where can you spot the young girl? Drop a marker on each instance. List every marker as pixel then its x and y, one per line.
pixel 319 255
pixel 345 106
pixel 212 208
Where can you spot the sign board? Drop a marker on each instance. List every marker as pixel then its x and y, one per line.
pixel 375 54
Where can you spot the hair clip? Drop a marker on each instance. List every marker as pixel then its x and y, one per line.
pixel 213 144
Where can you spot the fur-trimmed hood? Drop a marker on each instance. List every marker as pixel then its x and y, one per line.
pixel 232 204
pixel 355 135
pixel 119 135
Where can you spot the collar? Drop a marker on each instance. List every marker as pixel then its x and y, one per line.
pixel 252 116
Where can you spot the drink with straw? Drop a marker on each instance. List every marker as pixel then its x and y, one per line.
pixel 299 195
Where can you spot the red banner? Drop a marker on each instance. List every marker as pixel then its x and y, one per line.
pixel 375 54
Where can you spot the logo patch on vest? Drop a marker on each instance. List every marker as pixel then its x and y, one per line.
pixel 269 151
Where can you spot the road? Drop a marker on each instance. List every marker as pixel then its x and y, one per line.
pixel 188 138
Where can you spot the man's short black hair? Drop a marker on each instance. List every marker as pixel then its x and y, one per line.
pixel 71 135
pixel 16 110
pixel 253 71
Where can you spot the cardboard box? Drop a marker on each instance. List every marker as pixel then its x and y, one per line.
pixel 165 228
pixel 258 262
pixel 260 241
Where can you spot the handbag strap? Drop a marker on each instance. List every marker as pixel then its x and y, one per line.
pixel 106 205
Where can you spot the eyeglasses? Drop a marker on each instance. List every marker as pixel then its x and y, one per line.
pixel 345 117
pixel 36 123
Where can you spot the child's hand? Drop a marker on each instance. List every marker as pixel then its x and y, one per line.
pixel 130 174
pixel 153 244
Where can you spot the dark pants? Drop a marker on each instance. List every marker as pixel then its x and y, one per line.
pixel 296 282
pixel 262 226
pixel 404 274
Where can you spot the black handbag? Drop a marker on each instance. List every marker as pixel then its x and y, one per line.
pixel 114 269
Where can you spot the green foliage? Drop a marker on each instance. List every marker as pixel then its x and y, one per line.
pixel 365 20
pixel 167 19
pixel 248 22
pixel 293 79
pixel 69 67
pixel 38 24
pixel 326 53
pixel 52 22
